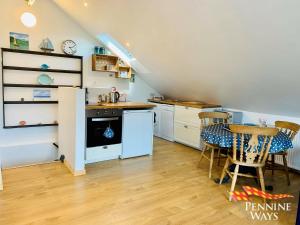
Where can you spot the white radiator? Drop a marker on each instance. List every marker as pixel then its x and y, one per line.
pixel 293 155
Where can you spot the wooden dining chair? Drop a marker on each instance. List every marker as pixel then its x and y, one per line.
pixel 251 146
pixel 291 130
pixel 211 118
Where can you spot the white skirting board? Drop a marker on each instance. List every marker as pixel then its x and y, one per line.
pixel 27 154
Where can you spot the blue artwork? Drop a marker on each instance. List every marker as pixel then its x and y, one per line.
pixel 39 93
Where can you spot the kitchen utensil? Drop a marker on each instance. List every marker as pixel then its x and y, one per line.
pixel 114 97
pixel 100 99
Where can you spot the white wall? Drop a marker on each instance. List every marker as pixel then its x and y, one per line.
pixel 35 144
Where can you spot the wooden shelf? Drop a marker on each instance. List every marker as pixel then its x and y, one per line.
pixel 36 85
pixel 112 57
pixel 41 70
pixel 101 62
pixel 124 69
pixel 41 53
pixel 32 125
pixel 107 71
pixel 30 102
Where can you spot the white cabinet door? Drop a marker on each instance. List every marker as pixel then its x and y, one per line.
pixel 187 134
pixel 103 153
pixel 187 125
pixel 167 124
pixel 164 121
pixel 187 115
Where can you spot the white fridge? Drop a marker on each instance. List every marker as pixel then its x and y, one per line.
pixel 137 133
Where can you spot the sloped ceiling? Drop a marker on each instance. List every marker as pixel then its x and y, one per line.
pixel 239 53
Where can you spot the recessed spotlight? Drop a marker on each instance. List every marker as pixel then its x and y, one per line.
pixel 28 19
pixel 85 4
pixel 127 44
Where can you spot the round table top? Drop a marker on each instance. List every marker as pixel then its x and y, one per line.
pixel 220 135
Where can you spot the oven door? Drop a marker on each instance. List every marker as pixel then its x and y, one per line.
pixel 104 131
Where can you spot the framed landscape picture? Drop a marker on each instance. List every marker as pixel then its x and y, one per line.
pixel 19 41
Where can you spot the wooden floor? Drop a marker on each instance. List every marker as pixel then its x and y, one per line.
pixel 168 188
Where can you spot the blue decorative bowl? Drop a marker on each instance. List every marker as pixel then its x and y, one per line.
pixel 45 79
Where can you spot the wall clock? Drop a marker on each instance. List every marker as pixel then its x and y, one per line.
pixel 69 47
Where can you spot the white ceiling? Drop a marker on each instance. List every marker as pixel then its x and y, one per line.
pixel 239 53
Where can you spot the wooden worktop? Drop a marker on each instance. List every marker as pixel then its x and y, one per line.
pixel 121 105
pixel 200 105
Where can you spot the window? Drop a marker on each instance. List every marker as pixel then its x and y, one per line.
pixel 119 50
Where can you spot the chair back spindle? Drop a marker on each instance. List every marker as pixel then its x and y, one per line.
pixel 251 145
pixel 289 128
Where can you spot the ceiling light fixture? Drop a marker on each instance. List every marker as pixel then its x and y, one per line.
pixel 28 19
pixel 85 4
pixel 30 2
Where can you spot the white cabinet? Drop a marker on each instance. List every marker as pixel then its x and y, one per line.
pixel 187 134
pixel 187 125
pixel 187 115
pixel 164 121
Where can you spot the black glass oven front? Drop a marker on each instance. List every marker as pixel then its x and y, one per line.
pixel 104 128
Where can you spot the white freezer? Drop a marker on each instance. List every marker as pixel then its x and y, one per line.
pixel 137 134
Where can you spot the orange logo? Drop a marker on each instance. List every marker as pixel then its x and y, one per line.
pixel 250 191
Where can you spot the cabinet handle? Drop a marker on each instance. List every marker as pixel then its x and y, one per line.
pixel 185 126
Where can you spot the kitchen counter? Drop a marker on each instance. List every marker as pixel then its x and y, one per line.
pixel 193 104
pixel 121 105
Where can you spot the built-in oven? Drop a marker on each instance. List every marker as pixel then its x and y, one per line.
pixel 104 127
